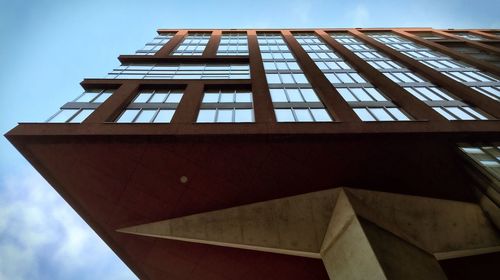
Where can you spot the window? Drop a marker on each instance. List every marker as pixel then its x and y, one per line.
pixel 181 71
pixel 156 44
pixel 80 108
pixel 491 92
pixel 233 44
pixel 486 156
pixel 419 87
pixel 370 114
pixel 193 44
pixel 368 102
pixel 429 35
pixel 469 36
pixel 457 70
pixel 302 115
pixel 446 104
pixel 226 106
pixel 335 68
pixel 293 98
pixel 152 106
pixel 459 113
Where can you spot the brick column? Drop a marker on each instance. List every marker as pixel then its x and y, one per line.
pixel 188 109
pixel 450 52
pixel 213 44
pixel 263 105
pixel 331 98
pixel 172 44
pixel 114 105
pixel 416 108
pixel 458 89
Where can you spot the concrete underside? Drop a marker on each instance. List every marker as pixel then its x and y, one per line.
pixel 358 234
pixel 115 182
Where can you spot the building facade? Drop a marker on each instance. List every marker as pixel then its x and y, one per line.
pixel 288 154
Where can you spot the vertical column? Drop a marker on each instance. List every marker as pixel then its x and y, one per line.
pixel 416 108
pixel 263 105
pixel 213 44
pixel 172 44
pixel 188 109
pixel 332 99
pixel 113 106
pixel 435 46
pixel 458 89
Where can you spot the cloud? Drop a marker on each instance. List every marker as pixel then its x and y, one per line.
pixel 41 237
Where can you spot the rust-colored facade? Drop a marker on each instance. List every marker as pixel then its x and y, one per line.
pixel 117 175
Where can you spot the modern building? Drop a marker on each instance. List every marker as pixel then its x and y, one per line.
pixel 288 154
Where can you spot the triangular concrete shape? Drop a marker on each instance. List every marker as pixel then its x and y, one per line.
pixel 343 226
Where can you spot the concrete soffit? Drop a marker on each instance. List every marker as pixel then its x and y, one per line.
pixel 343 226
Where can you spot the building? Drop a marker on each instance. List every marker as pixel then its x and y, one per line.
pixel 288 154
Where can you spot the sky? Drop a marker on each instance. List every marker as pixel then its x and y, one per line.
pixel 48 47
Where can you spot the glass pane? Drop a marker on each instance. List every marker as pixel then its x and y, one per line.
pixel 174 98
pixel 145 116
pixel 357 78
pixel 444 113
pixel 82 115
pixel 303 115
pixel 244 97
pixel 142 98
pixel 398 114
pixel 87 97
pixel 158 98
pixel 293 66
pixel 309 95
pixel 164 116
pixel 459 113
pixel 294 95
pixel 375 94
pixel 346 94
pixel 284 115
pixel 429 94
pixel 474 113
pixel 127 116
pixel 63 116
pixel 332 78
pixel 381 114
pixel 211 98
pixel 363 114
pixel 227 97
pixel 273 78
pixel 300 78
pixel 206 116
pixel 225 115
pixel 361 94
pixel 321 115
pixel 243 115
pixel 102 97
pixel 345 78
pixel 278 95
pixel 287 78
pixel 269 66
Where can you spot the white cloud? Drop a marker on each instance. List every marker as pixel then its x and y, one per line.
pixel 41 237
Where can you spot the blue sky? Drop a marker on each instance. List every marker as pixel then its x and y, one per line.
pixel 48 47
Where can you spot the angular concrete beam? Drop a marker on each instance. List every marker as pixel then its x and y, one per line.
pixel 344 226
pixel 294 225
pixel 357 249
